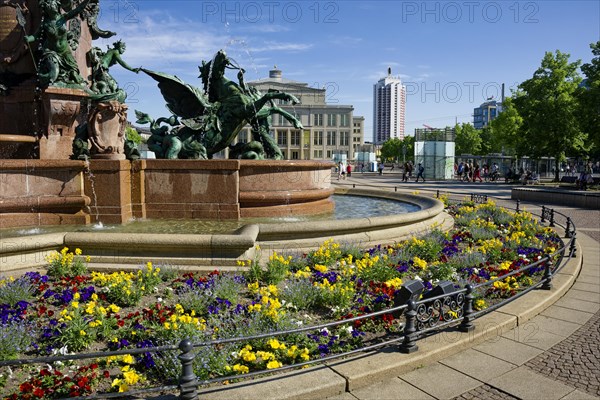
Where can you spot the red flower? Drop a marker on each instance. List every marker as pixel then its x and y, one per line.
pixel 39 393
pixel 26 387
pixel 120 323
pixel 45 372
pixel 106 374
pixel 94 366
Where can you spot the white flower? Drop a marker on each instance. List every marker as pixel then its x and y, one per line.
pixel 349 329
pixel 299 323
pixel 325 330
pixel 475 270
pixel 159 300
pixel 418 278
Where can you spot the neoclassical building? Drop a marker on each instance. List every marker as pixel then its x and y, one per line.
pixel 328 128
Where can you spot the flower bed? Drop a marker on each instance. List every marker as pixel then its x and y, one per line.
pixel 70 310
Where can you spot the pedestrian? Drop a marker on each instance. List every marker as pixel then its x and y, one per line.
pixel 420 170
pixel 339 170
pixel 410 169
pixel 391 169
pixel 477 173
pixel 349 170
pixel 405 173
pixel 380 168
pixel 461 169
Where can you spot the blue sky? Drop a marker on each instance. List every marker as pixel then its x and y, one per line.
pixel 452 55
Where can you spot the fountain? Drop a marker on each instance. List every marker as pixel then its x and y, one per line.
pixel 79 112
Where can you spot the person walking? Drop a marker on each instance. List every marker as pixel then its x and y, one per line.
pixel 420 170
pixel 477 173
pixel 349 170
pixel 380 168
pixel 405 172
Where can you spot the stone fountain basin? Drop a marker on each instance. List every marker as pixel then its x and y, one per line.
pixel 117 251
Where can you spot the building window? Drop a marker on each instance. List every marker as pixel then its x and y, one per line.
pixel 331 138
pixel 318 154
pixel 318 138
pixel 295 141
pixel 282 138
pixel 344 138
pixel 295 155
pixel 344 120
pixel 328 153
pixel 331 119
pixel 318 120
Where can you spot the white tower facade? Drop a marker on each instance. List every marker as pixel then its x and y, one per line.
pixel 389 108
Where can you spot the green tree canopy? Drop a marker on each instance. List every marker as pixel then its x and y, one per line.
pixel 549 107
pixel 391 149
pixel 467 139
pixel 506 129
pixel 590 100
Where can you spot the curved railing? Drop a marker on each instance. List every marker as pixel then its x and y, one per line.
pixel 445 307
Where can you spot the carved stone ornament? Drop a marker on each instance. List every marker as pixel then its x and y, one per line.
pixel 12 35
pixel 61 114
pixel 106 130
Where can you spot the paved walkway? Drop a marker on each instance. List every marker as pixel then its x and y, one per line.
pixel 555 355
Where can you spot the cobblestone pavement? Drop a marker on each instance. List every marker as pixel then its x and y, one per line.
pixel 485 392
pixel 576 360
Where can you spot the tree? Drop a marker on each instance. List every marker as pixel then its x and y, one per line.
pixel 490 143
pixel 549 109
pixel 391 149
pixel 409 142
pixel 467 139
pixel 589 98
pixel 506 129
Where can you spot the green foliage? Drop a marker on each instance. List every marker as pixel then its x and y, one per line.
pixel 467 139
pixel 300 293
pixel 227 288
pixel 589 97
pixel 13 291
pixel 66 264
pixel 393 149
pixel 15 337
pixel 505 129
pixel 277 269
pixel 549 107
pixel 133 135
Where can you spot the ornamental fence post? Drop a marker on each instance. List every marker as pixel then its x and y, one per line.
pixel 568 228
pixel 437 194
pixel 467 323
pixel 573 248
pixel 547 285
pixel 518 205
pixel 408 344
pixel 552 218
pixel 543 214
pixel 188 384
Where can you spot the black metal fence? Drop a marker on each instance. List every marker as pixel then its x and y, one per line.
pixel 443 307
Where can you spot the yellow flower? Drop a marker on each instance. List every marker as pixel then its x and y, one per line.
pixel 82 333
pixel 128 359
pixel 321 268
pixel 242 369
pixel 78 252
pixel 394 283
pixel 131 377
pixel 273 364
pixel 121 384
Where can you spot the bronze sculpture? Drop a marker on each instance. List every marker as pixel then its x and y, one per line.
pixel 210 119
pixel 57 64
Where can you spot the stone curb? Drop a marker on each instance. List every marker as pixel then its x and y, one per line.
pixel 347 375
